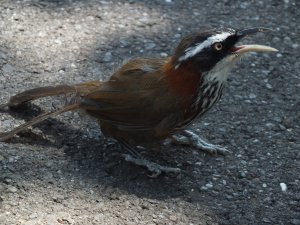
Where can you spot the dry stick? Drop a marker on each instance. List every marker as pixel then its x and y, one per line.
pixel 40 118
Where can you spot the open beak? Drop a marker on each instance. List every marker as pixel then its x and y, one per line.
pixel 242 49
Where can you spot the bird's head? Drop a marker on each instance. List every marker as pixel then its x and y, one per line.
pixel 215 50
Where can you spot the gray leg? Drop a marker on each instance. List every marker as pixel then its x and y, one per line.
pixel 192 139
pixel 154 168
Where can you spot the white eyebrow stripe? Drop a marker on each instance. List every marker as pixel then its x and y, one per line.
pixel 191 51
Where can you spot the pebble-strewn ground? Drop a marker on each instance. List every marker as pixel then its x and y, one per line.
pixel 64 172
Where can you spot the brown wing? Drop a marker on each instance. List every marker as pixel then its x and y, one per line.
pixel 132 98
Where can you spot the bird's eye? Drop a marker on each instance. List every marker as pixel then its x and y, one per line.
pixel 218 46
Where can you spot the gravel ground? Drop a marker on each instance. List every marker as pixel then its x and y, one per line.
pixel 64 172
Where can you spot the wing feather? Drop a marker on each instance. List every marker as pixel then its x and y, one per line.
pixel 131 96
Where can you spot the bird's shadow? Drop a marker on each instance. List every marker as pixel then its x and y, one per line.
pixel 98 160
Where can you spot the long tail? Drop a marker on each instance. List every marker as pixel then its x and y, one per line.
pixel 40 92
pixel 75 92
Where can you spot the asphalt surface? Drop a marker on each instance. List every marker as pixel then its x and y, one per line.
pixel 63 171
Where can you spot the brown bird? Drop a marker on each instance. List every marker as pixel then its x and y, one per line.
pixel 149 100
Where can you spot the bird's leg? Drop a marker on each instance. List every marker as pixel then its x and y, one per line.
pixel 192 139
pixel 128 147
pixel 154 168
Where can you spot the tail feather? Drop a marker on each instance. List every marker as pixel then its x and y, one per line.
pixel 40 92
pixel 75 92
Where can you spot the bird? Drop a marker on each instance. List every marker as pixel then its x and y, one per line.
pixel 149 100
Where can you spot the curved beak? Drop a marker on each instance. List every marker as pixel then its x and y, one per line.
pixel 252 48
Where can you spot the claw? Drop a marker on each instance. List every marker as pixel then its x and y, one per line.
pixel 154 168
pixel 192 139
pixel 216 150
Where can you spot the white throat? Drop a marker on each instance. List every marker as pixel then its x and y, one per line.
pixel 220 71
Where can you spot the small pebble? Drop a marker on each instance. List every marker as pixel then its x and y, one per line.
pixel 243 162
pixel 270 125
pixel 150 45
pixel 269 86
pixel 7 180
pixel 252 96
pixel 266 220
pixel 243 175
pixel 282 127
pixel 33 215
pixel 12 189
pixel 99 217
pixel 163 54
pixel 107 57
pixel 255 141
pixel 209 185
pixel 198 163
pixel 203 188
pixel 283 187
pixel 11 159
pixel 173 218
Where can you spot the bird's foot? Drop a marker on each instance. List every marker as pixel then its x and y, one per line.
pixel 192 139
pixel 154 168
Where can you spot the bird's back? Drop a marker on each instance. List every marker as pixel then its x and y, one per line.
pixel 134 103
